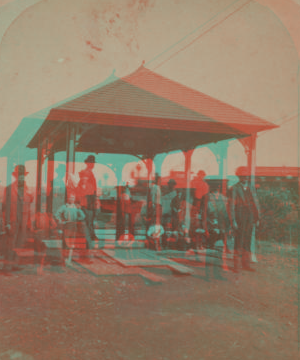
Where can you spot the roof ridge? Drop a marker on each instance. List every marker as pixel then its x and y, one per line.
pixel 221 102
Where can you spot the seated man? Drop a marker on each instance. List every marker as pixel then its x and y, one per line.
pixel 184 240
pixel 126 239
pixel 170 238
pixel 154 236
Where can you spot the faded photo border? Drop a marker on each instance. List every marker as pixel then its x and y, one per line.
pixel 241 56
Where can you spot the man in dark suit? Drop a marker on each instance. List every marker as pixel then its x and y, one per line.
pixel 245 212
pixel 16 215
pixel 87 191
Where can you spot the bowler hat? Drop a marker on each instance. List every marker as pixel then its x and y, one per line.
pixel 19 170
pixel 90 159
pixel 242 171
pixel 215 183
pixel 172 182
pixel 201 174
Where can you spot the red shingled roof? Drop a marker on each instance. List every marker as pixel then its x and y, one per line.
pixel 132 100
pixel 197 101
pixel 152 113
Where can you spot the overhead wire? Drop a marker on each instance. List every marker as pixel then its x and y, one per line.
pixel 196 30
pixel 286 119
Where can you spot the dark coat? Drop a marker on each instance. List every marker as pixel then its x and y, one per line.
pixel 217 211
pixel 16 207
pixel 242 210
pixel 16 213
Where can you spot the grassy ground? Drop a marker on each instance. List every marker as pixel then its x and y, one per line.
pixel 75 315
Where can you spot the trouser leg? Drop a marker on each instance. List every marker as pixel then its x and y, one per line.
pixel 9 253
pixel 237 250
pixel 212 239
pixel 70 230
pixel 246 255
pixel 131 223
pixel 39 246
pixel 16 239
pixel 198 240
pixel 10 245
pixel 236 261
pixel 82 226
pixel 89 220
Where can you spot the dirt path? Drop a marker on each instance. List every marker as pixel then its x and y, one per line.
pixel 74 315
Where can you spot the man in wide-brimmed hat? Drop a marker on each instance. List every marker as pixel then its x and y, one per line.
pixel 90 159
pixel 156 201
pixel 16 215
pixel 167 198
pixel 245 212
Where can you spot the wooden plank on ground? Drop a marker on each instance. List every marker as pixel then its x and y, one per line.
pixel 144 258
pixel 102 268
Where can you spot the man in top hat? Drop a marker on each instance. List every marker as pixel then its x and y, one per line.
pixel 245 212
pixel 201 188
pixel 16 215
pixel 90 164
pixel 86 192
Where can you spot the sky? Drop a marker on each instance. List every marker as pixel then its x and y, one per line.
pixel 242 52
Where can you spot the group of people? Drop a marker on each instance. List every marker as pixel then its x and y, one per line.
pixel 204 219
pixel 75 216
pixel 173 221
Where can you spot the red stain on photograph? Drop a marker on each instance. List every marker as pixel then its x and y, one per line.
pixel 145 218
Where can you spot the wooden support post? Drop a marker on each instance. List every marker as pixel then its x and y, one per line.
pixel 250 150
pixel 223 166
pixel 149 166
pixel 187 170
pixel 220 151
pixel 39 177
pixel 158 162
pixel 50 174
pixel 251 157
pixel 9 171
pixel 119 222
pixel 252 167
pixel 70 156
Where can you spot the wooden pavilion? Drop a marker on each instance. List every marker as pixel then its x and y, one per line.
pixel 142 114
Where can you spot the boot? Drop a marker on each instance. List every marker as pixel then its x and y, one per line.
pixel 217 270
pixel 236 262
pixel 246 261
